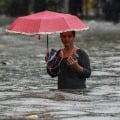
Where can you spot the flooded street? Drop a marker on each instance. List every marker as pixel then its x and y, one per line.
pixel 26 89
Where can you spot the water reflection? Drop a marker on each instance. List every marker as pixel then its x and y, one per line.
pixel 26 89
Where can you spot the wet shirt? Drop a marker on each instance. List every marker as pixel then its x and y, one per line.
pixel 69 78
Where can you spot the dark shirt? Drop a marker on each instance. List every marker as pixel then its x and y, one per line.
pixel 69 78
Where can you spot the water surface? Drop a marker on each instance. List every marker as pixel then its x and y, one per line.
pixel 26 89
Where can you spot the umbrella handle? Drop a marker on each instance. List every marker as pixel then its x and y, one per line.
pixel 47 44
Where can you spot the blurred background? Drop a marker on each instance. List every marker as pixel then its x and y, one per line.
pixel 25 87
pixel 108 10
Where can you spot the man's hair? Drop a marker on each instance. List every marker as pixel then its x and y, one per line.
pixel 73 32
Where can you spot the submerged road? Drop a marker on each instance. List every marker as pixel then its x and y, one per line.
pixel 26 89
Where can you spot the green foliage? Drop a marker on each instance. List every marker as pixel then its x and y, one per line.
pixel 52 4
pixel 3 5
pixel 23 7
pixel 14 7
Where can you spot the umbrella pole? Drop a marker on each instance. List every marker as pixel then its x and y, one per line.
pixel 47 44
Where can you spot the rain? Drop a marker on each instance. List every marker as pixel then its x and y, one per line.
pixel 28 92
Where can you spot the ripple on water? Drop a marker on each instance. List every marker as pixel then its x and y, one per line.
pixel 102 73
pixel 25 88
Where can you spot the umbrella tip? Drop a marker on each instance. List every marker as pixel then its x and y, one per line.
pixel 38 37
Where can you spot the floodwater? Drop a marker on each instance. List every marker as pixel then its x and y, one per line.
pixel 28 92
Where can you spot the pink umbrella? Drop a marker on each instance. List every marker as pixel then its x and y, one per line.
pixel 46 22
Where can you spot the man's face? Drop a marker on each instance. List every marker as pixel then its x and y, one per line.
pixel 67 37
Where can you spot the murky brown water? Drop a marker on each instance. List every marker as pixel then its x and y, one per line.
pixel 26 89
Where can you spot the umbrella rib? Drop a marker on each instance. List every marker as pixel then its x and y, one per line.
pixel 66 22
pixel 40 24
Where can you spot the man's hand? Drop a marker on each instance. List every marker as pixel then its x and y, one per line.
pixel 71 61
pixel 74 63
pixel 46 56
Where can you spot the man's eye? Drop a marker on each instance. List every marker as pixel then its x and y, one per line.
pixel 69 36
pixel 64 36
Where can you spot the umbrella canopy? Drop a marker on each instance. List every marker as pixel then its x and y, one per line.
pixel 46 22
